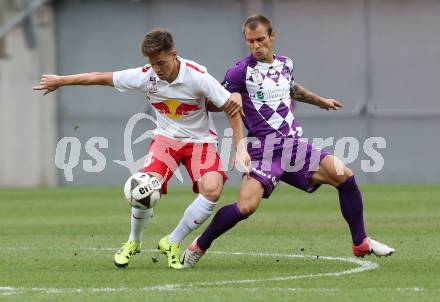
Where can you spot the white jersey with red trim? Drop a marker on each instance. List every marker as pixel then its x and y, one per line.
pixel 180 106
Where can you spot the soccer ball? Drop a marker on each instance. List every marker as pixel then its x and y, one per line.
pixel 142 190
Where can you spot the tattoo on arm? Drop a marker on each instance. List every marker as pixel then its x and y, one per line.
pixel 300 94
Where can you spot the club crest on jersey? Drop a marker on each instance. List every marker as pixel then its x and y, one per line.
pixel 257 78
pixel 152 85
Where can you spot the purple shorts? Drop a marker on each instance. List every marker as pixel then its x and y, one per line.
pixel 291 160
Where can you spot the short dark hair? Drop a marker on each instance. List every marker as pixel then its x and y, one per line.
pixel 253 21
pixel 157 40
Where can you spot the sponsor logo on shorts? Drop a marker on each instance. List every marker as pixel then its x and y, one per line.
pixel 268 176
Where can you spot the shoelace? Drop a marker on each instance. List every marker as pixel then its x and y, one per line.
pixel 122 248
pixel 192 258
pixel 126 246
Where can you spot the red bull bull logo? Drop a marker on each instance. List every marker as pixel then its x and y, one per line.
pixel 175 109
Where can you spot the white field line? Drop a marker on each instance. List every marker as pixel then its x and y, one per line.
pixel 362 265
pixel 7 291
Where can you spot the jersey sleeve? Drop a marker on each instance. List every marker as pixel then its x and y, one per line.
pixel 128 79
pixel 213 90
pixel 233 80
pixel 292 78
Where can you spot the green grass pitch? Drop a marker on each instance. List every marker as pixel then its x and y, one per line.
pixel 58 245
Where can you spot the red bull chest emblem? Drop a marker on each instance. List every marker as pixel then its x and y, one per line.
pixel 174 109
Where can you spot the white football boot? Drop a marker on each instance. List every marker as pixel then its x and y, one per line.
pixel 370 246
pixel 192 255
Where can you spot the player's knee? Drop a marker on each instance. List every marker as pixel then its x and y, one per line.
pixel 247 209
pixel 212 195
pixel 248 204
pixel 212 191
pixel 340 178
pixel 348 172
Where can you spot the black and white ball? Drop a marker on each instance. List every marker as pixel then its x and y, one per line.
pixel 142 190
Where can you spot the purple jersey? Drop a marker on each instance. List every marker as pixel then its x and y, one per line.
pixel 279 153
pixel 265 89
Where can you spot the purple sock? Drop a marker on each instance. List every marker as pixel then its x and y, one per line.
pixel 350 200
pixel 224 219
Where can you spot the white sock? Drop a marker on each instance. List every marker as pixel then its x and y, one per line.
pixel 139 219
pixel 195 214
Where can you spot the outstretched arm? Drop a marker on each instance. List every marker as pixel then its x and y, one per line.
pixel 51 82
pixel 300 94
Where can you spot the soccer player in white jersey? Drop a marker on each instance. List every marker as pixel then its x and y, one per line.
pixel 265 81
pixel 179 91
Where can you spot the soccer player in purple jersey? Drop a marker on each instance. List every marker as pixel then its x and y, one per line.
pixel 278 153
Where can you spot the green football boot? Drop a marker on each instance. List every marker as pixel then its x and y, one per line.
pixel 172 251
pixel 128 249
